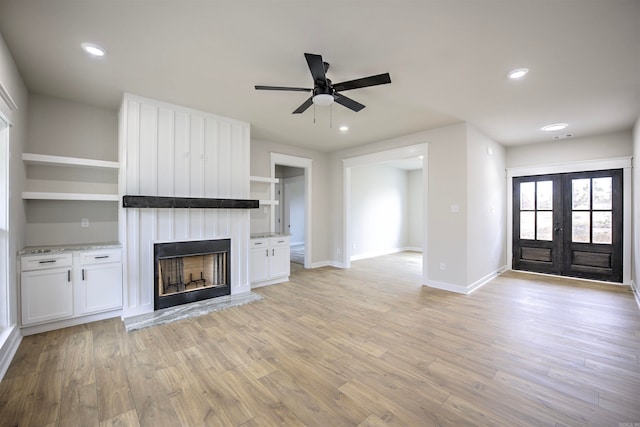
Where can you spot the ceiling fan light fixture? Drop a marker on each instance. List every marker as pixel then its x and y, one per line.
pixel 323 99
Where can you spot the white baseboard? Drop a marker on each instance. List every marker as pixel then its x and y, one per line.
pixel 270 282
pixel 634 289
pixel 45 327
pixel 320 264
pixel 137 311
pixel 383 252
pixel 11 340
pixel 468 289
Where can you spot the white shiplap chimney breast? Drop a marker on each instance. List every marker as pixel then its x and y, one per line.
pixel 168 150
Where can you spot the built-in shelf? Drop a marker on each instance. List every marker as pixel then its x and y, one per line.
pixel 73 162
pixel 44 159
pixel 269 202
pixel 264 179
pixel 42 195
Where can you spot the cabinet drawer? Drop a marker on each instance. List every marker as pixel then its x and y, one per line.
pixel 100 257
pixel 279 241
pixel 258 243
pixel 41 262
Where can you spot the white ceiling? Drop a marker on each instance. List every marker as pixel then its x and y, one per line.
pixel 447 59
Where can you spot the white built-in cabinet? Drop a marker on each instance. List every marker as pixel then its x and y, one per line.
pixel 68 286
pixel 269 260
pixel 46 288
pixel 100 282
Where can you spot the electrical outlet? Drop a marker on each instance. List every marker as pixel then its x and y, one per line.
pixel 85 222
pixel 443 266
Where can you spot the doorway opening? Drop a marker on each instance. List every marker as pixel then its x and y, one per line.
pixel 293 215
pixel 622 164
pixel 290 209
pixel 385 204
pixel 569 224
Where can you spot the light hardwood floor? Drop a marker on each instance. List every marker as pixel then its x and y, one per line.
pixel 365 346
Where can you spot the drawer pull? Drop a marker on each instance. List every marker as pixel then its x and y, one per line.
pixel 280 241
pixel 101 257
pixel 257 243
pixel 49 261
pixel 83 274
pixel 68 275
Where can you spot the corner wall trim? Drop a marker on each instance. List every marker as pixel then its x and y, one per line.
pixel 7 98
pixel 8 349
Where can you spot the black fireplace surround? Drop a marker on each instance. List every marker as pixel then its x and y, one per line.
pixel 184 249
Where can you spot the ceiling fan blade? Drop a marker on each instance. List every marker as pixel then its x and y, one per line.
pixel 296 89
pixel 316 66
pixel 306 104
pixel 348 102
pixel 379 79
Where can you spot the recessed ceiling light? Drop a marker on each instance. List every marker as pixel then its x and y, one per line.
pixel 518 73
pixel 344 128
pixel 93 49
pixel 554 127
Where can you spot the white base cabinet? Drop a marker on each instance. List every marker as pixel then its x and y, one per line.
pixel 69 286
pixel 269 260
pixel 100 282
pixel 47 288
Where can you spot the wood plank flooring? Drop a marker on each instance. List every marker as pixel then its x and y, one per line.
pixel 359 347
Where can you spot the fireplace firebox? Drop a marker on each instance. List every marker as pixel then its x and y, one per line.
pixel 191 271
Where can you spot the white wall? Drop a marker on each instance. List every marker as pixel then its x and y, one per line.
pixel 12 81
pixel 63 128
pixel 322 213
pixel 415 192
pixel 486 190
pixel 379 210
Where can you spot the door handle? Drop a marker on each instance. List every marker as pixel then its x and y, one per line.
pixel 557 229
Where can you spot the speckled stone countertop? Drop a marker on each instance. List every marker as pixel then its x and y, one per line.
pixel 35 250
pixel 263 235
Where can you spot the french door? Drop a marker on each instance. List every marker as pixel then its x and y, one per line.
pixel 569 224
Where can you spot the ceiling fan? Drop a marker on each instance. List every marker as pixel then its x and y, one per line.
pixel 324 92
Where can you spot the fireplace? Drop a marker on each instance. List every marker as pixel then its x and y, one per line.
pixel 191 271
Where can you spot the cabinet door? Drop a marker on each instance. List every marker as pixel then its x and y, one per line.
pixel 258 264
pixel 100 288
pixel 279 261
pixel 46 295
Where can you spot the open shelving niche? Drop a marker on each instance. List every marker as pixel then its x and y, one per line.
pixel 70 162
pixel 263 189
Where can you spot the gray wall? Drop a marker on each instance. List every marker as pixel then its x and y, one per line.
pixel 415 192
pixel 379 210
pixel 635 247
pixel 11 79
pixel 321 214
pixel 63 128
pixel 618 144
